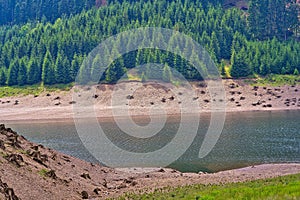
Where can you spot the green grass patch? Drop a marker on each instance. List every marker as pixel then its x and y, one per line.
pixel 133 77
pixel 8 91
pixel 43 172
pixel 286 187
pixel 275 80
pixel 3 154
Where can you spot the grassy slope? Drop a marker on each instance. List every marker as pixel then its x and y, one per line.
pixel 8 91
pixel 270 80
pixel 276 80
pixel 287 187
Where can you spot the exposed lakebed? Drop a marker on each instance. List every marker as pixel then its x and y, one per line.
pixel 247 138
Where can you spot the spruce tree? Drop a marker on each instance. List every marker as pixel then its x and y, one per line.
pixel 22 73
pixel 239 66
pixel 34 72
pixel 167 74
pixel 48 71
pixel 2 77
pixel 12 78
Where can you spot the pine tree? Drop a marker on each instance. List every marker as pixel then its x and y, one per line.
pixel 34 72
pixel 239 66
pixel 167 74
pixel 96 69
pixel 215 45
pixel 48 77
pixel 22 73
pixel 13 70
pixel 2 77
pixel 59 75
pixel 75 65
pixel 66 70
pixel 143 78
pixel 84 74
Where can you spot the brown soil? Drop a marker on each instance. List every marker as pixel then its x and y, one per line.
pixel 140 99
pixel 31 171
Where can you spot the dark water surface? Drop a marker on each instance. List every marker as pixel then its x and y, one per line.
pixel 247 138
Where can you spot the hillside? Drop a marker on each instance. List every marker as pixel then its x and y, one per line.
pixel 52 53
pixel 20 11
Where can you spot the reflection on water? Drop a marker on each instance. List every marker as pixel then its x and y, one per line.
pixel 247 138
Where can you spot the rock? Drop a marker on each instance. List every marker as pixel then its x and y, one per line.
pixel 57 98
pixel 97 191
pixel 13 140
pixel 36 147
pixel 130 97
pixel 171 98
pixel 134 183
pixel 163 100
pixel 161 170
pixel 85 176
pixel 2 127
pixel 2 146
pixel 15 159
pixel 8 192
pixel 203 85
pixel 54 156
pixel 104 183
pixel 51 174
pixel 255 88
pixel 232 85
pixel 38 157
pixel 129 180
pixel 122 185
pixel 84 195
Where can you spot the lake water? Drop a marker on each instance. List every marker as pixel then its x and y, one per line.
pixel 247 138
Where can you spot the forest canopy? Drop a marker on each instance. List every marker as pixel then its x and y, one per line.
pixel 252 42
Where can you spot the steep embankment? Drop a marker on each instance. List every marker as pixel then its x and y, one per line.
pixel 140 98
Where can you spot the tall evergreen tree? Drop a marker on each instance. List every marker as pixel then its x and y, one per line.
pixel 48 77
pixel 13 70
pixel 22 73
pixel 167 74
pixel 239 66
pixel 2 77
pixel 34 72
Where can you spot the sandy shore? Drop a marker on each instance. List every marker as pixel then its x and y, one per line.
pixel 137 99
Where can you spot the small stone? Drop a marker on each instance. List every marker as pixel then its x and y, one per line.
pixel 84 195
